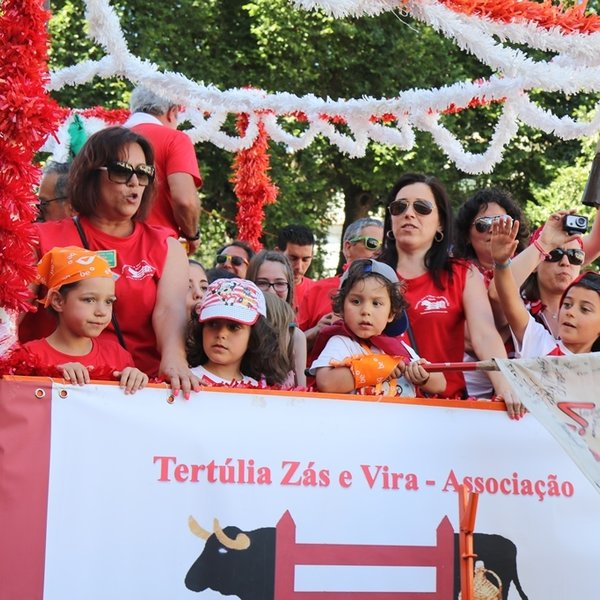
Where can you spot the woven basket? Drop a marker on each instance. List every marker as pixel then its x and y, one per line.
pixel 483 588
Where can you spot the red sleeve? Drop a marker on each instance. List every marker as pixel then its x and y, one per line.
pixel 181 157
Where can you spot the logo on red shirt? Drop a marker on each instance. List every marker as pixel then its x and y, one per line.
pixel 140 271
pixel 429 304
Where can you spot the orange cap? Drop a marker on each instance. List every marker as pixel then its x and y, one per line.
pixel 61 266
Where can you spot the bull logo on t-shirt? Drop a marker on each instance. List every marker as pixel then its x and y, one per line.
pixel 429 304
pixel 139 271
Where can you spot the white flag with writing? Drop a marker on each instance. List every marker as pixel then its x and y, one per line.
pixel 563 393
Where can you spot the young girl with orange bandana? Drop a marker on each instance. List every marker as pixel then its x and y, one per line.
pixel 363 351
pixel 81 293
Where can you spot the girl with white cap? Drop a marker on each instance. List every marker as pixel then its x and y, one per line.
pixel 232 341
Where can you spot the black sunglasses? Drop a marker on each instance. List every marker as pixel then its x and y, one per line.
pixel 122 172
pixel 575 256
pixel 370 243
pixel 421 207
pixel 236 261
pixel 484 224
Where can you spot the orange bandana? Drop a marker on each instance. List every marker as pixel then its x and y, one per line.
pixel 61 266
pixel 369 369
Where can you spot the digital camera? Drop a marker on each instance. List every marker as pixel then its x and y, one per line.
pixel 575 224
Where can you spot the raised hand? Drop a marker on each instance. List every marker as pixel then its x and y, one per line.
pixel 504 242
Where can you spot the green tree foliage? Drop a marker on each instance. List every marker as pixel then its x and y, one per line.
pixel 269 45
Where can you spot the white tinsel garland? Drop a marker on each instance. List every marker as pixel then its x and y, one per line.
pixel 574 69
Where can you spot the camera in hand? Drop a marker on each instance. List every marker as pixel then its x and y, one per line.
pixel 575 224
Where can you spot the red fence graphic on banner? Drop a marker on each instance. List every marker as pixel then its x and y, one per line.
pixel 290 554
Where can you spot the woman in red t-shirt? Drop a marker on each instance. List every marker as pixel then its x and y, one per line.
pixel 110 186
pixel 443 293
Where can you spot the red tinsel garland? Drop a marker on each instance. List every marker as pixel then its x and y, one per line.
pixel 111 116
pixel 545 14
pixel 252 185
pixel 28 116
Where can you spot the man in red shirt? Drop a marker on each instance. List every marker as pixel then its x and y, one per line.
pixel 297 243
pixel 176 204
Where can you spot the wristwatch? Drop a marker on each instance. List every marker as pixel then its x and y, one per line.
pixel 192 238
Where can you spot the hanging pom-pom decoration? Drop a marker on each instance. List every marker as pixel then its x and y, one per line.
pixel 252 184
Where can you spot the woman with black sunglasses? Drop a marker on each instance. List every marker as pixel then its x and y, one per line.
pixel 472 235
pixel 110 187
pixel 546 268
pixel 472 241
pixel 443 293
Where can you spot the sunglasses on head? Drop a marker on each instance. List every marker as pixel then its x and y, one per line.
pixel 236 261
pixel 421 207
pixel 575 256
pixel 122 172
pixel 484 224
pixel 370 243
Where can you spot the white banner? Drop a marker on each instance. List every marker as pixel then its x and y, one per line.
pixel 351 499
pixel 562 393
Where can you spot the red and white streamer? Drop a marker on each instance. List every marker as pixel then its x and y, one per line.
pixel 482 27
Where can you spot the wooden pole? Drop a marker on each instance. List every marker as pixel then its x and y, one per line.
pixel 482 365
pixel 467 510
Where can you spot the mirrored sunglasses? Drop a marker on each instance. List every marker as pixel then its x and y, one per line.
pixel 484 224
pixel 370 243
pixel 236 261
pixel 575 256
pixel 278 286
pixel 122 172
pixel 421 207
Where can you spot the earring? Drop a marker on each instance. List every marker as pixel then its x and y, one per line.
pixel 439 236
pixel 390 235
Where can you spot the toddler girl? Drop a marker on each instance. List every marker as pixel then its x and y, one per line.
pixel 362 352
pixel 231 340
pixel 81 293
pixel 578 315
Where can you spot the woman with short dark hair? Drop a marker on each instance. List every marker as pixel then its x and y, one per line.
pixel 111 186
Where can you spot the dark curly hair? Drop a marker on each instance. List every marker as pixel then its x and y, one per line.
pixel 462 247
pixel 355 274
pixel 437 258
pixel 262 358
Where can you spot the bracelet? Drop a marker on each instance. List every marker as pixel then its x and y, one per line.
pixel 540 249
pixel 502 266
pixel 192 238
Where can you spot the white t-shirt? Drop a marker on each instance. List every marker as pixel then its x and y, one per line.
pixel 339 347
pixel 207 376
pixel 538 341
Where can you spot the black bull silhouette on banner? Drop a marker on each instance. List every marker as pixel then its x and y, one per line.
pixel 242 563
